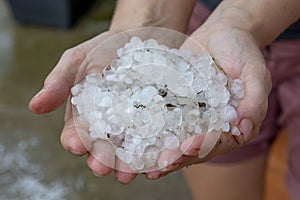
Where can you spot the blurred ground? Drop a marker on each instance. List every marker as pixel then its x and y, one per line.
pixel 33 164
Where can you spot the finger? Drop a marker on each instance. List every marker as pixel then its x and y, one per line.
pixel 124 173
pixel 75 140
pixel 246 127
pixel 101 159
pixel 192 145
pixel 209 142
pixel 182 161
pixel 58 83
pixel 153 175
pixel 225 144
pixel 153 172
pixel 168 157
pixel 75 137
pixel 252 108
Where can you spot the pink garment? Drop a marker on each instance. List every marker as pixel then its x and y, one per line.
pixel 283 61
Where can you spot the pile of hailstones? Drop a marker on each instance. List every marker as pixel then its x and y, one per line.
pixel 152 98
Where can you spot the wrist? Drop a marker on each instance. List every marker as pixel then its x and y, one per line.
pixel 128 17
pixel 173 14
pixel 231 17
pixel 263 19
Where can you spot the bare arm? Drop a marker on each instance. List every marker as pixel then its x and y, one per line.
pixel 173 14
pixel 264 19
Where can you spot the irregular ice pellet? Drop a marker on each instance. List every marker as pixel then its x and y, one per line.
pixel 231 114
pixel 171 141
pixel 235 131
pixel 76 90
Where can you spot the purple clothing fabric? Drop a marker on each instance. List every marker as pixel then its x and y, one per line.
pixel 283 60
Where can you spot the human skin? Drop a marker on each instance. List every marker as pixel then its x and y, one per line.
pixel 234 34
pixel 242 29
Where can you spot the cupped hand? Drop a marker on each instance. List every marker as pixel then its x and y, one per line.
pixel 237 52
pixel 56 90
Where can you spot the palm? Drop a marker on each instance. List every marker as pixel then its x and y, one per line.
pixel 238 55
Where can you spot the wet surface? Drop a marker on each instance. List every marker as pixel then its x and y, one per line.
pixel 33 163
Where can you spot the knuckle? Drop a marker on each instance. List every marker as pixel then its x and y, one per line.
pixel 75 55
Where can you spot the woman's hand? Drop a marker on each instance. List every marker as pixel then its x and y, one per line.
pixel 74 64
pixel 234 34
pixel 56 90
pixel 240 57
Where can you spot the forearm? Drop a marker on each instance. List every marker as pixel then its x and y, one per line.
pixel 264 19
pixel 173 14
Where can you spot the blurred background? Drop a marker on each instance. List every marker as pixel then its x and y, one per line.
pixel 33 164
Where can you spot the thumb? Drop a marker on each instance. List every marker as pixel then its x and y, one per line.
pixel 58 83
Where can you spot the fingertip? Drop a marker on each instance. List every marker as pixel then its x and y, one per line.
pixel 154 175
pixel 124 173
pixel 37 95
pixel 76 146
pixel 75 140
pixel 168 157
pixel 192 145
pixel 246 127
pixel 34 102
pixel 103 152
pixel 98 168
pixel 51 97
pixel 125 177
pixel 209 142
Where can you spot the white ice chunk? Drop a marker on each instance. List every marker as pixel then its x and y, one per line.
pixel 226 127
pixel 150 156
pixel 237 88
pixel 231 114
pixel 235 131
pixel 124 155
pixel 171 141
pixel 76 90
pixel 105 101
pixel 147 95
pixel 92 78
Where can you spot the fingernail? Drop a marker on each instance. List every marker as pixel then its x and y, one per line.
pixel 75 152
pixel 39 93
pixel 97 175
pixel 246 128
pixel 154 176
